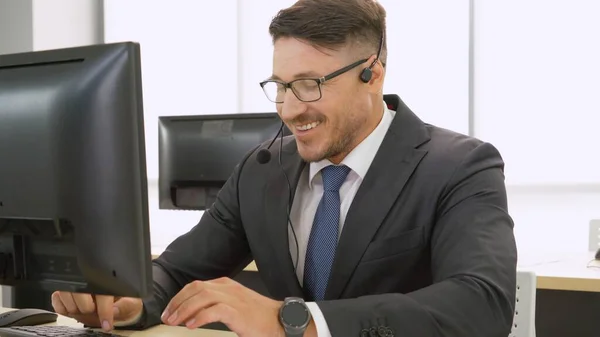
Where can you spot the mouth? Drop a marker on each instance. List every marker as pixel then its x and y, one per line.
pixel 304 128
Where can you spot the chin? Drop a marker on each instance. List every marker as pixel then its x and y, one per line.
pixel 310 153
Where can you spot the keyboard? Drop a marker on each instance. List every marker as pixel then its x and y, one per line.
pixel 52 331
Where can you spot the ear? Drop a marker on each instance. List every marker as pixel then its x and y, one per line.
pixel 377 75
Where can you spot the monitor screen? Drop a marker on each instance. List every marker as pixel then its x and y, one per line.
pixel 197 154
pixel 73 189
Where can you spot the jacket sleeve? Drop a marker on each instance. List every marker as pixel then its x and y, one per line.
pixel 216 247
pixel 474 261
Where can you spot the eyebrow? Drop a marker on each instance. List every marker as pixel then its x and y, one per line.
pixel 305 74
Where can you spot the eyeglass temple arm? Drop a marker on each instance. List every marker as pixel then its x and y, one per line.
pixel 341 71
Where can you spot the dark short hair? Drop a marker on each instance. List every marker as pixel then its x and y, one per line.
pixel 332 24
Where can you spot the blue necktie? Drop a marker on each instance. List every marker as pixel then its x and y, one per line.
pixel 324 233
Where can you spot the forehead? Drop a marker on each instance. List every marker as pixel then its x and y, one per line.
pixel 293 58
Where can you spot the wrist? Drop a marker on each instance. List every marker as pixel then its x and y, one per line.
pixel 131 321
pixel 295 317
pixel 311 330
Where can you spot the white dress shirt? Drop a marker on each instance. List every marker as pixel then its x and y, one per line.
pixel 309 193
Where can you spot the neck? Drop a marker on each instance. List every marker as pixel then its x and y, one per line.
pixel 374 118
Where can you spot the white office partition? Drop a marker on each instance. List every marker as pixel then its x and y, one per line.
pixel 536 97
pixel 428 56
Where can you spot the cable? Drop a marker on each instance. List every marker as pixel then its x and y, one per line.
pixel 290 200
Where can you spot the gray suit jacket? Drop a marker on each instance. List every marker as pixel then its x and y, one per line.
pixel 427 248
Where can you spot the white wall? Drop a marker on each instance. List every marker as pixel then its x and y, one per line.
pixel 553 219
pixel 428 60
pixel 189 58
pixel 16 29
pixel 427 66
pixel 66 23
pixel 194 63
pixel 537 83
pixel 189 67
pixel 28 25
pixel 535 71
pixel 537 80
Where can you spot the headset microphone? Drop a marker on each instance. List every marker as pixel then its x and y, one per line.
pixel 264 156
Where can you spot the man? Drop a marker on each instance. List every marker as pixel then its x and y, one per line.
pixel 385 225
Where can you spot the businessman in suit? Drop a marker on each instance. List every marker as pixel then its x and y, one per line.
pixel 365 222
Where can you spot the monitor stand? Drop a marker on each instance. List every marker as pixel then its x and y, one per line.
pixel 20 297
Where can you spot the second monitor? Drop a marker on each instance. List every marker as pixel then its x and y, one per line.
pixel 197 154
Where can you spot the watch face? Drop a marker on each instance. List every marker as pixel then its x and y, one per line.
pixel 295 314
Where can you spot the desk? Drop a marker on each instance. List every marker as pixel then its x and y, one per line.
pixel 568 293
pixel 159 330
pixel 568 271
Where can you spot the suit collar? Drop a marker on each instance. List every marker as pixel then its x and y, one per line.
pixel 394 163
pixel 396 159
pixel 407 129
pixel 360 158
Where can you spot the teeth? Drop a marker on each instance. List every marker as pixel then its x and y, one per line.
pixel 308 126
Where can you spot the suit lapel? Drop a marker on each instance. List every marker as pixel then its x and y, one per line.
pixel 391 168
pixel 276 210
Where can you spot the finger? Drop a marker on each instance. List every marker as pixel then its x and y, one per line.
pixel 220 312
pixel 67 300
pixel 85 303
pixel 188 291
pixel 87 320
pixel 222 280
pixel 202 300
pixel 127 308
pixel 58 305
pixel 104 306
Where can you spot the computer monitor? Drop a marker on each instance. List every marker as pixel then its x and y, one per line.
pixel 197 154
pixel 73 189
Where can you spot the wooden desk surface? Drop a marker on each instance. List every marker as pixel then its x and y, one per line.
pixel 567 271
pixel 564 271
pixel 157 331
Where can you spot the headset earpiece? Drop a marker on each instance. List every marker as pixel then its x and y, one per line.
pixel 365 75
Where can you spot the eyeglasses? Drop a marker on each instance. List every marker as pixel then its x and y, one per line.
pixel 305 89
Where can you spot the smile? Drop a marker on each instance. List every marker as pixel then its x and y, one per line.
pixel 306 127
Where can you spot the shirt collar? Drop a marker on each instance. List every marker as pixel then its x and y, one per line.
pixel 360 158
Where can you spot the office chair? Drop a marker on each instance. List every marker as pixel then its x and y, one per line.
pixel 594 237
pixel 524 317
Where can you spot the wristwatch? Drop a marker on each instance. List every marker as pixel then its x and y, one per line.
pixel 294 316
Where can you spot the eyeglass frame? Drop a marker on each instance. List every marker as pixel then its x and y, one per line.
pixel 319 81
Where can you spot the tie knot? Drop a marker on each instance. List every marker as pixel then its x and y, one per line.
pixel 334 176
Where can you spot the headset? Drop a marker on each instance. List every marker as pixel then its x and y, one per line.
pixel 366 74
pixel 264 155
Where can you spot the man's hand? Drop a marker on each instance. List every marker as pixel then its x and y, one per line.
pixel 245 312
pixel 96 310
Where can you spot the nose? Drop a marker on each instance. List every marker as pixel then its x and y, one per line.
pixel 291 107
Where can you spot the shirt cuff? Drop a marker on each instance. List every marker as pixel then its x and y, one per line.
pixel 319 319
